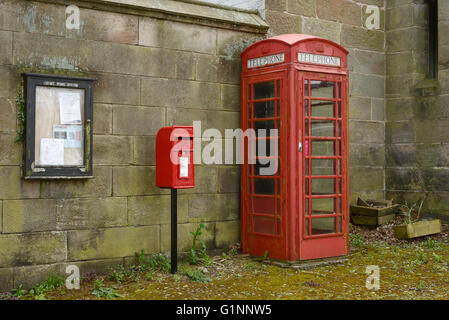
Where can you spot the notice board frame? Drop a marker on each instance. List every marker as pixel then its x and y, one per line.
pixel 31 82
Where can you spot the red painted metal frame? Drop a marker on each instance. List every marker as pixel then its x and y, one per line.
pixel 292 243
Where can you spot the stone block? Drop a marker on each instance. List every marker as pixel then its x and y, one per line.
pixel 302 7
pixel 118 89
pixel 366 179
pixel 399 109
pixel 230 97
pixel 99 267
pixel 230 44
pixel 151 32
pixel 432 154
pixel 214 207
pixel 399 17
pixel 142 121
pixel 31 276
pixel 378 109
pixel 283 23
pixel 363 39
pixel 206 180
pixel 135 181
pixel 186 65
pixel 276 5
pixel 91 213
pixel 99 186
pixel 322 28
pixel 366 132
pixel 359 108
pixel 189 37
pixel 366 155
pixel 32 248
pixel 13 187
pixel 10 150
pixel 413 38
pixel 112 243
pixel 6 47
pixel 191 94
pixel 10 81
pixel 436 179
pixel 29 215
pixel 366 85
pixel 410 179
pixel 432 131
pixel 401 155
pixel 144 152
pixel 6 279
pixel 227 233
pixel 343 11
pixel 367 62
pixel 229 179
pixel 102 119
pixel 400 132
pixel 7 115
pixel 112 150
pixel 229 70
pixel 185 238
pixel 106 26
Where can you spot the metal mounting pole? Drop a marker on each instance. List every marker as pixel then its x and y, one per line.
pixel 174 231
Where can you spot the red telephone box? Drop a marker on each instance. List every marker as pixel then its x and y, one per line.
pixel 297 84
pixel 174 157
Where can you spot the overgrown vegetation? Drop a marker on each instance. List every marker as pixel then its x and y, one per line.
pixel 197 275
pixel 21 115
pixel 198 251
pixel 100 291
pixel 412 212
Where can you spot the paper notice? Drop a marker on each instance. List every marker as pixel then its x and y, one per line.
pixel 52 152
pixel 183 167
pixel 72 135
pixel 70 107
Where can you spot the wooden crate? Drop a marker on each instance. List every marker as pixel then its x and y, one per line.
pixel 417 229
pixel 372 220
pixel 372 212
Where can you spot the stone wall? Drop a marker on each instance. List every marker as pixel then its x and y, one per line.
pixel 343 21
pixel 153 69
pixel 417 131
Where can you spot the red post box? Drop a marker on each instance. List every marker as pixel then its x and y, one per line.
pixel 174 158
pixel 297 84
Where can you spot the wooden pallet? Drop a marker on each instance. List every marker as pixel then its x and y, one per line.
pixel 417 229
pixel 372 212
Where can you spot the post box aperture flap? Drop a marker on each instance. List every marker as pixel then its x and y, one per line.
pixel 298 85
pixel 174 157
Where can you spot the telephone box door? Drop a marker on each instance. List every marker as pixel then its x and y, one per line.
pixel 263 220
pixel 323 105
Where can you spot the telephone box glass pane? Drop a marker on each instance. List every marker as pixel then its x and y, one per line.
pixel 59 122
pixel 265 109
pixel 264 90
pixel 323 167
pixel 323 186
pixel 323 109
pixel 323 128
pixel 322 89
pixel 323 206
pixel 323 148
pixel 264 186
pixel 323 225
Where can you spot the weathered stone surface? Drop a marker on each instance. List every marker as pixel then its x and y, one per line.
pixel 401 86
pixel 32 248
pixel 406 39
pixel 31 276
pixel 186 65
pixel 432 131
pixel 102 243
pixel 184 236
pixel 91 213
pixel 366 179
pixel 230 97
pixel 366 132
pixel 322 28
pixel 401 155
pixel 282 23
pixel 6 47
pixel 102 119
pixel 206 180
pixel 367 85
pixel 192 94
pixel 10 150
pixel 399 17
pixel 6 279
pixel 99 267
pixel 143 121
pixel 114 27
pixel 135 181
pixel 344 11
pixel 432 155
pixel 144 152
pixel 276 5
pixel 150 210
pixel 7 115
pixel 150 32
pixel 302 7
pixel 227 233
pixel 112 150
pixel 367 62
pixel 400 132
pixel 359 108
pixel 400 63
pixel 214 207
pixel 360 38
pixel 366 155
pixel 13 187
pixel 229 179
pixel 10 83
pixel 410 179
pixel 399 109
pixel 229 71
pixel 230 44
pixel 118 89
pixel 1 216
pixel 189 37
pixel 29 215
pixel 99 186
pixel 378 109
pixel 436 179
